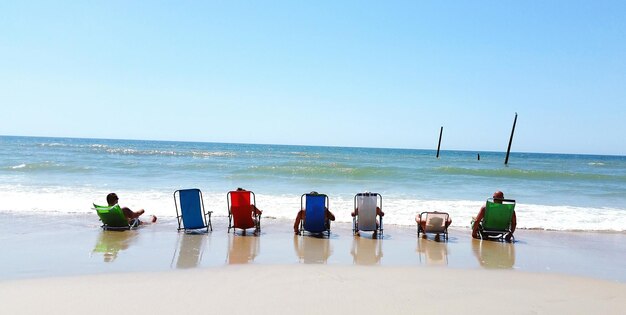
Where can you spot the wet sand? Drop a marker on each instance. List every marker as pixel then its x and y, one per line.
pixel 278 272
pixel 68 245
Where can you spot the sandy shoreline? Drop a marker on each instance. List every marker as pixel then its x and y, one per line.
pixel 314 289
pixel 67 264
pixel 69 245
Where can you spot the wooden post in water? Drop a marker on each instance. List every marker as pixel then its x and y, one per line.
pixel 439 145
pixel 508 150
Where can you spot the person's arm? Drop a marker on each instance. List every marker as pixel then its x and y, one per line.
pixel 256 211
pixel 330 215
pixel 479 218
pixel 296 224
pixel 513 222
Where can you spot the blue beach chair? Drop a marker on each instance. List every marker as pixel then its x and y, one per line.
pixel 192 216
pixel 314 206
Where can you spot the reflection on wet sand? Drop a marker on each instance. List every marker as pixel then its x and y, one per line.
pixel 242 249
pixel 432 252
pixel 494 255
pixel 111 242
pixel 366 251
pixel 189 250
pixel 311 249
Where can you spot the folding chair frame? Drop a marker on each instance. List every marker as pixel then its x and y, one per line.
pixel 326 205
pixel 423 218
pixel 257 217
pixel 379 204
pixel 495 234
pixel 205 215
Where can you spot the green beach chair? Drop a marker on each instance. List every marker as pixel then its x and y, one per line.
pixel 496 223
pixel 113 218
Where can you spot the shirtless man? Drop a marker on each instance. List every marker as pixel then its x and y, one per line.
pixel 497 198
pixel 112 200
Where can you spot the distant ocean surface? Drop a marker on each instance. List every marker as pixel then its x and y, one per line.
pixel 553 191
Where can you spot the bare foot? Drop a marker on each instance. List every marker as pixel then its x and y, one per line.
pixel 153 219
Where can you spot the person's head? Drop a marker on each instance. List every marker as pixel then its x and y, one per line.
pixel 314 193
pixel 498 196
pixel 240 189
pixel 112 199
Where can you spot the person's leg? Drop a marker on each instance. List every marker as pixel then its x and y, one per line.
pixel 513 225
pixel 421 223
pixel 329 215
pixel 477 221
pixel 418 220
pixel 296 224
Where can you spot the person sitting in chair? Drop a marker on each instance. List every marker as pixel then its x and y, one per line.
pixel 497 198
pixel 379 213
pixel 433 222
pixel 131 215
pixel 329 216
pixel 254 210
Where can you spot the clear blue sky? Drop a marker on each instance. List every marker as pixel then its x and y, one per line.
pixel 339 73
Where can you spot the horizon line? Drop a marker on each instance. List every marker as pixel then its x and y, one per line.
pixel 309 145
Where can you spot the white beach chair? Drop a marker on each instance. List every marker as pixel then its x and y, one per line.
pixel 365 205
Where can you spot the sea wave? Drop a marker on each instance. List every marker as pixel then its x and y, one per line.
pixel 528 174
pixel 47 166
pixel 398 210
pixel 133 150
pixel 330 169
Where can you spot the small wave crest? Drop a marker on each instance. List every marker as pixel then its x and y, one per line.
pixel 526 174
pixel 47 166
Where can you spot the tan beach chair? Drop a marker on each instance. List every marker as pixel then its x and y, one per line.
pixel 434 223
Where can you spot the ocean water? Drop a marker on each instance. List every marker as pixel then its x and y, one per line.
pixel 553 191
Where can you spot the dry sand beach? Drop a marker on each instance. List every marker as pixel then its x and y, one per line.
pixel 67 265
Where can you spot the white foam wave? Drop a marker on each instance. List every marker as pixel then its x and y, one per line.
pixel 211 154
pixel 397 210
pixel 18 166
pixel 54 144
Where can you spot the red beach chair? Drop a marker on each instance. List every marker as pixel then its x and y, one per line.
pixel 241 211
